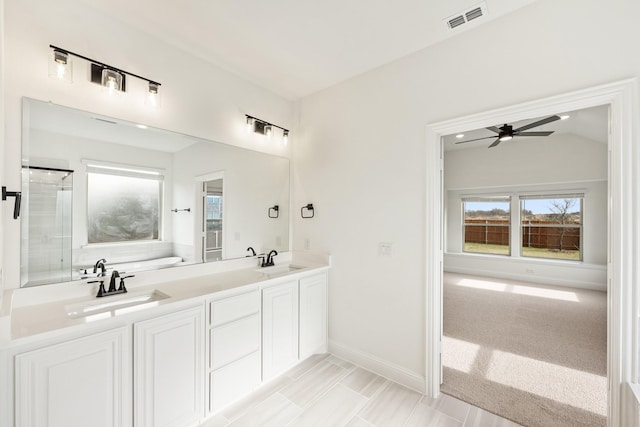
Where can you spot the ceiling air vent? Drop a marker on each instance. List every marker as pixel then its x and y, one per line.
pixel 477 11
pixel 473 14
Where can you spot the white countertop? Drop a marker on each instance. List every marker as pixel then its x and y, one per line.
pixel 41 310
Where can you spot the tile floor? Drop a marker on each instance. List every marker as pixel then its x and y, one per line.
pixel 327 391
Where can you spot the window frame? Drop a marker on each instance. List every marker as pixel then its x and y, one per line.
pixel 125 171
pixel 487 199
pixel 552 196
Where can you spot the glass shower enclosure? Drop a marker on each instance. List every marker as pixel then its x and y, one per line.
pixel 46 225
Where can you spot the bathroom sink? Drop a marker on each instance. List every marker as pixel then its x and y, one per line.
pixel 279 270
pixel 115 305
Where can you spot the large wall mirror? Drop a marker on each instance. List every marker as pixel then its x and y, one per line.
pixel 141 198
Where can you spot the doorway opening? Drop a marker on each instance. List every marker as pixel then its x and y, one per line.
pixel 621 214
pixel 212 220
pixel 524 289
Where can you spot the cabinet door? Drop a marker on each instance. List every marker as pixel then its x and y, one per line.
pixel 279 328
pixel 169 366
pixel 313 315
pixel 84 382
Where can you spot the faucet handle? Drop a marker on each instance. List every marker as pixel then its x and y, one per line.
pixel 122 288
pixel 101 290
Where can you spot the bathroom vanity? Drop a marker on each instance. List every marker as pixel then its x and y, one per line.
pixel 172 351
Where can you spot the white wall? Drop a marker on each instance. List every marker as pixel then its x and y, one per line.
pixel 197 98
pixel 558 163
pixel 360 152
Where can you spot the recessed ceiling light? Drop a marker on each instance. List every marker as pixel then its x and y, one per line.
pixel 460 135
pixel 564 117
pixel 141 126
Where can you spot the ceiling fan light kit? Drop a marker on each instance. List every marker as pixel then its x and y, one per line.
pixel 506 132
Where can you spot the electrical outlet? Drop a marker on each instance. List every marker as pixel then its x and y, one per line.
pixel 278 241
pixel 307 244
pixel 236 236
pixel 385 248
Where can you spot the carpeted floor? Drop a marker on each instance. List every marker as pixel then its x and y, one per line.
pixel 531 353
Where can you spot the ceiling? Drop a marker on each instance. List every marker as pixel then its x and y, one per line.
pixel 590 123
pixel 295 48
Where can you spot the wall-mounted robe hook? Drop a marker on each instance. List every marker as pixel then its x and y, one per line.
pixel 181 210
pixel 16 205
pixel 308 208
pixel 274 211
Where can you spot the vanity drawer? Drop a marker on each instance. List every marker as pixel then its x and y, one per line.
pixel 234 381
pixel 235 340
pixel 236 307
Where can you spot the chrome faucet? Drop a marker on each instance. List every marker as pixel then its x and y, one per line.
pixel 100 264
pixel 268 262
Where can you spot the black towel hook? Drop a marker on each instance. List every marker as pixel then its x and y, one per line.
pixel 16 205
pixel 309 208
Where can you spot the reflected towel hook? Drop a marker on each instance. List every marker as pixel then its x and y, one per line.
pixel 16 205
pixel 181 210
pixel 309 208
pixel 275 209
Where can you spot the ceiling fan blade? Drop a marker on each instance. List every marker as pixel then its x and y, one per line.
pixel 538 123
pixel 477 139
pixel 494 129
pixel 540 133
pixel 494 143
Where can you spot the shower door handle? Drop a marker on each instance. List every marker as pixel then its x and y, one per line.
pixel 16 205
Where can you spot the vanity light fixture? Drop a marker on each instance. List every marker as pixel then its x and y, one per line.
pixel 114 79
pixel 265 128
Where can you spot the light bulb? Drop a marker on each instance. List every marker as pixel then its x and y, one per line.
pixel 267 131
pixel 60 66
pixel 153 95
pixel 249 124
pixel 506 138
pixel 285 137
pixel 112 80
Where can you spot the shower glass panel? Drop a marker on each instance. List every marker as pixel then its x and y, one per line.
pixel 46 226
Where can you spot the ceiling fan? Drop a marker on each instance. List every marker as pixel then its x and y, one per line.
pixel 507 132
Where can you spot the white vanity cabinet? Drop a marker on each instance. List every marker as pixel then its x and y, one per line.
pixel 313 315
pixel 279 328
pixel 169 367
pixel 234 347
pixel 78 383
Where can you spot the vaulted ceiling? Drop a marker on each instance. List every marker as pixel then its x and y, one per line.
pixel 295 48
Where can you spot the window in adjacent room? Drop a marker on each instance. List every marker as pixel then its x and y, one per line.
pixel 487 224
pixel 123 204
pixel 552 226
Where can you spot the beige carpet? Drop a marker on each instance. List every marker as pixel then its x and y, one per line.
pixel 531 353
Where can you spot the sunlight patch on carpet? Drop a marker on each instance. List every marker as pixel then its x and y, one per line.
pixel 465 354
pixel 535 291
pixel 559 383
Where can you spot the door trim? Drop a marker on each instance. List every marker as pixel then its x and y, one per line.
pixel 623 234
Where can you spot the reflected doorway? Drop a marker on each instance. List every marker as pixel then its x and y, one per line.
pixel 213 198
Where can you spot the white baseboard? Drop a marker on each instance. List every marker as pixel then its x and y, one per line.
pixel 543 280
pixel 378 366
pixel 631 405
pixel 547 272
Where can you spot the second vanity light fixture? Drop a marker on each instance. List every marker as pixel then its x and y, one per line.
pixel 265 128
pixel 112 78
